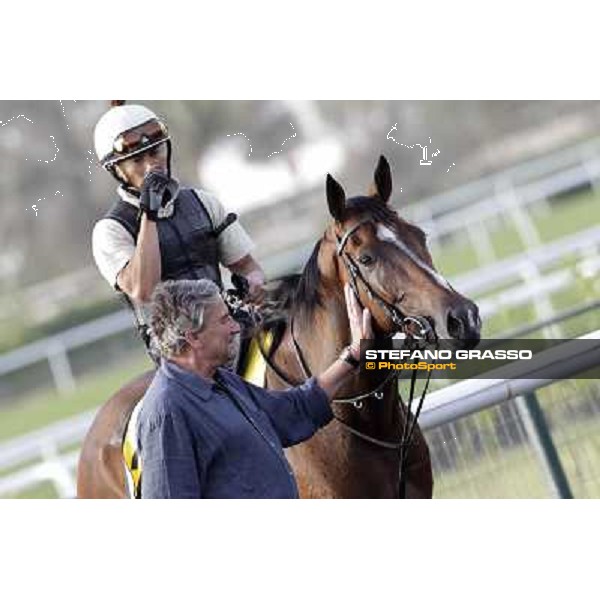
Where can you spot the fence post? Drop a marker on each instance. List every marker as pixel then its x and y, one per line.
pixel 539 435
pixel 61 368
pixel 57 471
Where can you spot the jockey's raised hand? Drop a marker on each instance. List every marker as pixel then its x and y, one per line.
pixel 153 194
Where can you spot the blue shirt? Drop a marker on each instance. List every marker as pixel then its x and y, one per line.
pixel 200 439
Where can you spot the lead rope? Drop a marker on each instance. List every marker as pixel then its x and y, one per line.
pixel 305 369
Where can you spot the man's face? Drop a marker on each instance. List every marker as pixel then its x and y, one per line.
pixel 219 336
pixel 134 169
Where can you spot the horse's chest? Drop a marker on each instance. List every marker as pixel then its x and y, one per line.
pixel 330 465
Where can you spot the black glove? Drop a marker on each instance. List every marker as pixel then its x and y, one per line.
pixel 155 193
pixel 241 285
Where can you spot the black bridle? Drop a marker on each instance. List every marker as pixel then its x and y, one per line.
pixel 354 272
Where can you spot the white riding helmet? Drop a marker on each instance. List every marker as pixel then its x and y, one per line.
pixel 125 131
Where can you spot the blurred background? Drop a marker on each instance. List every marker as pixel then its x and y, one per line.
pixel 506 191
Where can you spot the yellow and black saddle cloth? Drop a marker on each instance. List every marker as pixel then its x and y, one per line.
pixel 252 369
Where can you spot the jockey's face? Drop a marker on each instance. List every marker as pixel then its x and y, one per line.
pixel 134 169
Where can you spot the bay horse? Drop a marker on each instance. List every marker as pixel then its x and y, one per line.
pixel 386 261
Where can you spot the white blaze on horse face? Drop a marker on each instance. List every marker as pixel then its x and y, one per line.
pixel 385 234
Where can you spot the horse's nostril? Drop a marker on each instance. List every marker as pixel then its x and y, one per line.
pixel 463 323
pixel 455 326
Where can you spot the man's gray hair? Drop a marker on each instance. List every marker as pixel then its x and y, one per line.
pixel 178 307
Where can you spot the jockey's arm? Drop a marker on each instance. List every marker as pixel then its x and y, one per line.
pixel 141 274
pixel 252 271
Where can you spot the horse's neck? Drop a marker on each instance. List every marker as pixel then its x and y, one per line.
pixel 322 333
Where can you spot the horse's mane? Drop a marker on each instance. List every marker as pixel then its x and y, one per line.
pixel 298 294
pixel 289 296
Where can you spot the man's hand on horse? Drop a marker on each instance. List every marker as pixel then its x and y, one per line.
pixel 360 320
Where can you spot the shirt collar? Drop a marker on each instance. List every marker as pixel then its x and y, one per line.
pixel 128 196
pixel 199 386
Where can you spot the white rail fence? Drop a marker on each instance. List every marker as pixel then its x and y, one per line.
pixel 504 192
pixel 580 163
pixel 466 397
pixel 54 348
pixel 444 406
pixel 517 269
pixel 45 448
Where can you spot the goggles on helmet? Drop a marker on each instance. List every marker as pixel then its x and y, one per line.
pixel 137 140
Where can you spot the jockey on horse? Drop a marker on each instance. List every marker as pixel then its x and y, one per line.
pixel 158 230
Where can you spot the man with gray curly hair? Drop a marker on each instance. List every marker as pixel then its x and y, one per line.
pixel 181 307
pixel 206 433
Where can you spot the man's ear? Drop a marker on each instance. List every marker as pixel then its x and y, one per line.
pixel 194 338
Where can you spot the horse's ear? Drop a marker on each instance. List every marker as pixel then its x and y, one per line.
pixel 336 198
pixel 382 185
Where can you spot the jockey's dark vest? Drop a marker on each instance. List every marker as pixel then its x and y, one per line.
pixel 188 244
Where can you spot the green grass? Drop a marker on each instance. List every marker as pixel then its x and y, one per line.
pixel 44 408
pixel 501 472
pixel 567 216
pixel 506 474
pixel 516 473
pixel 41 491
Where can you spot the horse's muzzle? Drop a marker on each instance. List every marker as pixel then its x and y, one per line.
pixel 464 324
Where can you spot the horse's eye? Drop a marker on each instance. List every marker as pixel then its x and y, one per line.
pixel 366 259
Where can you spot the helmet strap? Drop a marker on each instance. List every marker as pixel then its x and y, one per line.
pixel 129 188
pixel 169 151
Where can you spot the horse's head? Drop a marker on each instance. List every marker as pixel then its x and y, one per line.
pixel 386 259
